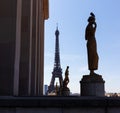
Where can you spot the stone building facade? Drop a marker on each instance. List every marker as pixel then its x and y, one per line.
pixel 22 46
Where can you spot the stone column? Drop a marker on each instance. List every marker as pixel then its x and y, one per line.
pixel 17 48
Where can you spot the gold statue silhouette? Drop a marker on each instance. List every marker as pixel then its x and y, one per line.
pixel 66 79
pixel 91 44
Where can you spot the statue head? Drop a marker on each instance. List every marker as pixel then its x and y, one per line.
pixel 91 19
pixel 67 67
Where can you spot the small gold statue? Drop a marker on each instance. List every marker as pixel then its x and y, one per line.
pixel 66 79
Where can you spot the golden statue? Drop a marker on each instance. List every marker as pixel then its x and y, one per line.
pixel 91 44
pixel 66 79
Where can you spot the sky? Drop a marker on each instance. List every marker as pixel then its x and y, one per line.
pixel 71 16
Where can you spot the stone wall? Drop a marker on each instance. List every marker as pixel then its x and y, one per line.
pixel 59 105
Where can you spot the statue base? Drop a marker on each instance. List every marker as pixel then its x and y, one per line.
pixel 65 91
pixel 92 85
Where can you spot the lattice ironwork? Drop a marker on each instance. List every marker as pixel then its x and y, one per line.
pixel 57 70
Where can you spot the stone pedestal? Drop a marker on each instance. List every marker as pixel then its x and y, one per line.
pixel 92 85
pixel 65 91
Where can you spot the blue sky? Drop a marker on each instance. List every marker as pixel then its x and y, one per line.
pixel 71 16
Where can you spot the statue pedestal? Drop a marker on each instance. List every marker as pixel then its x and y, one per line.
pixel 65 91
pixel 92 85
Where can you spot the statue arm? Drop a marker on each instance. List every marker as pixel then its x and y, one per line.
pixel 95 25
pixel 86 34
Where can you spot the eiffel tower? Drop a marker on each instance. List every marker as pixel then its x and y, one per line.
pixel 57 71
